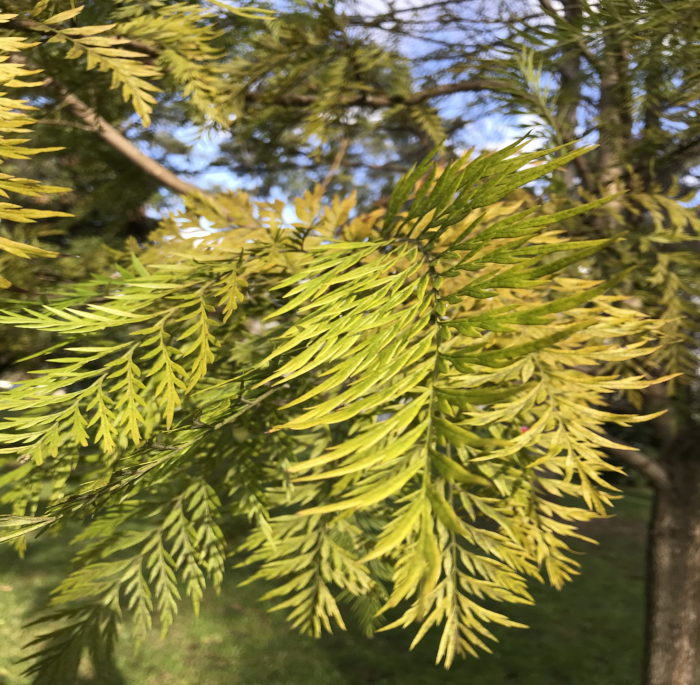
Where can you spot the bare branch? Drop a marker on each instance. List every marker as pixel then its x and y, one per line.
pixel 474 85
pixel 337 161
pixel 636 459
pixel 112 137
pixel 92 121
pixel 379 101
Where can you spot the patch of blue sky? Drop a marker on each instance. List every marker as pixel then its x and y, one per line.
pixel 486 127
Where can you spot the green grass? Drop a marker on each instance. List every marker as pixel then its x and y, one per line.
pixel 590 633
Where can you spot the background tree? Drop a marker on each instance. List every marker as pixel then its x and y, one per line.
pixel 330 87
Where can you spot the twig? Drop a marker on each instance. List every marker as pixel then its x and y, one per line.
pixel 92 121
pixel 335 166
pixel 635 458
pixel 380 100
pixel 249 405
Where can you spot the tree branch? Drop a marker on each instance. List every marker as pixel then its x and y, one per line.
pixel 363 99
pixel 97 124
pixel 379 101
pixel 337 161
pixel 112 137
pixel 474 85
pixel 93 122
pixel 636 459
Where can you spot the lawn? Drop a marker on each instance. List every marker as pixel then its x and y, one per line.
pixel 589 633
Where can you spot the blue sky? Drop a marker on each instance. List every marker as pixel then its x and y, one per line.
pixel 486 131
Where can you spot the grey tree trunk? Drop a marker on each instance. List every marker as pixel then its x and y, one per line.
pixel 673 581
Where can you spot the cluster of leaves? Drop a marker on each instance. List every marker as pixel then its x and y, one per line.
pixel 15 118
pixel 399 402
pixel 301 54
pixel 303 83
pixel 396 401
pixel 152 51
pixel 144 42
pixel 659 204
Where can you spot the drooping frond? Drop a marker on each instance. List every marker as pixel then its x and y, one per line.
pixel 423 343
pixel 397 402
pixel 15 118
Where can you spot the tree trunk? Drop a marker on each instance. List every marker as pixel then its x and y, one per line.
pixel 673 581
pixel 569 101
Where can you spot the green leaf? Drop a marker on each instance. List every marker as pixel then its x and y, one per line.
pixel 452 471
pixel 64 16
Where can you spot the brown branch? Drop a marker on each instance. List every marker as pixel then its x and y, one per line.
pixel 337 161
pixel 93 122
pixel 474 85
pixel 97 124
pixel 636 459
pixel 379 100
pixel 119 142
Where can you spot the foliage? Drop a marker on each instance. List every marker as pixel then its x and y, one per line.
pixel 298 87
pixel 398 431
pixel 649 103
pixel 15 119
pixel 183 35
pixel 263 649
pixel 160 57
pixel 400 403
